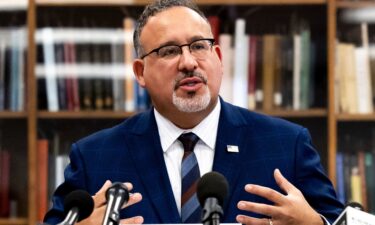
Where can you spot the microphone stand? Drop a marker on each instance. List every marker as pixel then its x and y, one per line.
pixel 212 212
pixel 71 217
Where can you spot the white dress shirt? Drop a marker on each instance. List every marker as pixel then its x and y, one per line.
pixel 173 149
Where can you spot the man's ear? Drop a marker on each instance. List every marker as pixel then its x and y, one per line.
pixel 217 50
pixel 138 66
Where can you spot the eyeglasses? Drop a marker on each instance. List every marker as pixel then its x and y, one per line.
pixel 198 48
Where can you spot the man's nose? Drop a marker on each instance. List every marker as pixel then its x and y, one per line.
pixel 187 61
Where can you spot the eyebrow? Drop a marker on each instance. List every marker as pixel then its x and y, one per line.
pixel 194 38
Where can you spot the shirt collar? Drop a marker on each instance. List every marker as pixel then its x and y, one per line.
pixel 205 130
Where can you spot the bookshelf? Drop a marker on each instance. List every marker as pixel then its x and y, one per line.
pixel 351 133
pixel 325 122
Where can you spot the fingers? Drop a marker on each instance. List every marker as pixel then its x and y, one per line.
pixel 265 192
pixel 264 209
pixel 99 197
pixel 251 220
pixel 283 183
pixel 132 220
pixel 133 198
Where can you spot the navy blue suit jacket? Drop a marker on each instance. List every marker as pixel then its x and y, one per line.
pixel 131 152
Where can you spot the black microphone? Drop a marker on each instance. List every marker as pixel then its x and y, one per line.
pixel 78 205
pixel 345 219
pixel 212 189
pixel 116 196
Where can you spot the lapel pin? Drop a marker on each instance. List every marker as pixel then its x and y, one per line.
pixel 232 148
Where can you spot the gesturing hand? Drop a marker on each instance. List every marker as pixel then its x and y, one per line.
pixel 288 209
pixel 99 209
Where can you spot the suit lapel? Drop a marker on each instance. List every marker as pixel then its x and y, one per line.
pixel 144 145
pixel 229 133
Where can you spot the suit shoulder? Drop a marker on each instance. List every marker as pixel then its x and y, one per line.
pixel 115 132
pixel 263 122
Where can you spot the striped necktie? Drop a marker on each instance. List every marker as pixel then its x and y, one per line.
pixel 190 208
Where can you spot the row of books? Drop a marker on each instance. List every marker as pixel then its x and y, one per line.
pixel 12 68
pixel 356 178
pixel 268 71
pixel 261 71
pixel 88 69
pixel 355 75
pixel 51 164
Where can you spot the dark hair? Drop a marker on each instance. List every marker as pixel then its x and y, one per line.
pixel 154 8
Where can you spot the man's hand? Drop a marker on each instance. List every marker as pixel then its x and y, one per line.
pixel 288 209
pixel 97 215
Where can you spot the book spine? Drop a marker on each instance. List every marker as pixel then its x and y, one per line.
pixel 42 192
pixel 241 55
pixel 4 183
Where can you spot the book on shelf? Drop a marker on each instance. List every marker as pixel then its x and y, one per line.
pixel 370 181
pixel 72 84
pixel 362 174
pixel 270 71
pixel 215 27
pixel 240 69
pixel 42 187
pixel 2 73
pixel 356 186
pixel 50 69
pixel 340 178
pixel 118 87
pixel 287 57
pixel 226 89
pixel 4 183
pixel 130 95
pixel 259 96
pixel 252 72
pixel 12 68
pixel 305 75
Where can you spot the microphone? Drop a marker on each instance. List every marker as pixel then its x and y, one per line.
pixel 212 189
pixel 353 214
pixel 78 205
pixel 116 196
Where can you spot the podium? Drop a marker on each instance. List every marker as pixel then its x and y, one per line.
pixel 353 216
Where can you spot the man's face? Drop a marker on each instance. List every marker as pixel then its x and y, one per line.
pixel 184 82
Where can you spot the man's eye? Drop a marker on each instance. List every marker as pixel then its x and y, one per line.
pixel 198 46
pixel 169 51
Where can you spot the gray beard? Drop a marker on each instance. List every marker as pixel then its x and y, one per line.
pixel 193 103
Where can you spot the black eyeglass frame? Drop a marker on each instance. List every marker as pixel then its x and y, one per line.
pixel 211 40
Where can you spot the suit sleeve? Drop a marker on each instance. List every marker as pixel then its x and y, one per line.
pixel 312 181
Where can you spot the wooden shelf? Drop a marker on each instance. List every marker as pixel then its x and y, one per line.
pixel 297 113
pixel 12 115
pixel 355 4
pixel 84 115
pixel 119 115
pixel 200 2
pixel 15 221
pixel 355 117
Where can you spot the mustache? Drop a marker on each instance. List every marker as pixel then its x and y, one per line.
pixel 189 74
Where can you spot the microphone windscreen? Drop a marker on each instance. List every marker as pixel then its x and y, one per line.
pixel 82 200
pixel 212 185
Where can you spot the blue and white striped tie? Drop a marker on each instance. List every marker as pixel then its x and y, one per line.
pixel 190 208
